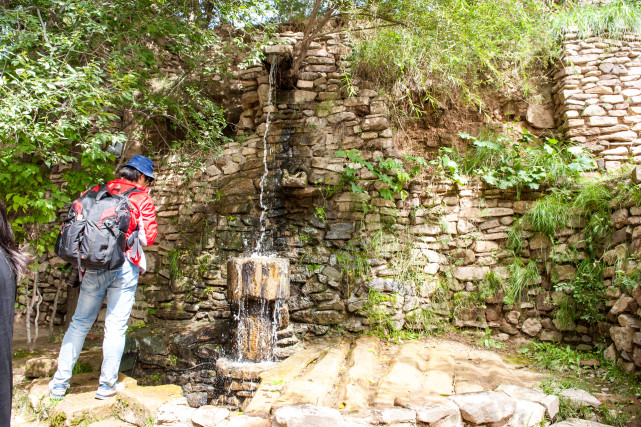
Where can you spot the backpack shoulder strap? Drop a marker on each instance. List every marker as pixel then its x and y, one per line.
pixel 131 191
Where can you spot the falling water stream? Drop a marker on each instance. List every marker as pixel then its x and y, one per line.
pixel 258 248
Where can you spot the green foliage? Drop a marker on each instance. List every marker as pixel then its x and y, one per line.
pixel 587 291
pixel 521 277
pixel 548 214
pixel 173 264
pixel 378 312
pixel 609 19
pixel 77 74
pixel 453 46
pixel 505 162
pixel 390 172
pixel 489 342
pixel 81 368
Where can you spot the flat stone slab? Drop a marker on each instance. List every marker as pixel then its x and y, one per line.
pixel 362 373
pixel 138 404
pixel 76 408
pixel 405 376
pixel 86 383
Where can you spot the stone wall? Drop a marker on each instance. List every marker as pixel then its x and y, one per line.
pixel 358 260
pixel 598 94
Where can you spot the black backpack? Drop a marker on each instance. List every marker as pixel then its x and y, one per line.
pixel 94 233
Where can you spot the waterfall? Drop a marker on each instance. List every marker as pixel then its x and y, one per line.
pixel 263 206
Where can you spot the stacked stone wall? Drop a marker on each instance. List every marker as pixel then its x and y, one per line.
pixel 450 238
pixel 598 94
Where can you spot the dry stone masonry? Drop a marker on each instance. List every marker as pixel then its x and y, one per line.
pixel 598 93
pixel 425 259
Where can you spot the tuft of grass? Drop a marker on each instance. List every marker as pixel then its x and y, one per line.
pixel 521 277
pixel 81 368
pixel 549 214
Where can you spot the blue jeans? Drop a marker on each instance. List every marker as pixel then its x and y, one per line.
pixel 119 286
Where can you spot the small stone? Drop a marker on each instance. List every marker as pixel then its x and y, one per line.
pixel 575 422
pixel 594 110
pixel 532 327
pixel 540 117
pixel 471 273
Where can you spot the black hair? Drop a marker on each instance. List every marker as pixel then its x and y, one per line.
pixel 17 260
pixel 129 173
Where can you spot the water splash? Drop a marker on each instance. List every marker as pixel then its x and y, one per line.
pixel 258 249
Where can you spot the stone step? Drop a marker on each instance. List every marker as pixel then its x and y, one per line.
pixel 138 405
pixel 316 384
pixel 83 407
pixel 363 371
pixel 273 381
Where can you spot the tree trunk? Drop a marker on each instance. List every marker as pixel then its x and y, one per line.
pixel 55 308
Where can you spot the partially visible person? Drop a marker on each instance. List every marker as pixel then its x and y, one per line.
pixel 118 285
pixel 13 264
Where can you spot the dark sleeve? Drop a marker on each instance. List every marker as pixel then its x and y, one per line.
pixel 7 301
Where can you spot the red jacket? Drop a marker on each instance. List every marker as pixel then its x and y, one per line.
pixel 143 213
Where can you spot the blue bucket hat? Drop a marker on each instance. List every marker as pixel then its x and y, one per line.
pixel 142 164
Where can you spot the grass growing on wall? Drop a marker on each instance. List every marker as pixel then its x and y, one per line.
pixel 612 20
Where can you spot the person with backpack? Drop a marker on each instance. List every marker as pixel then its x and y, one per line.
pixel 103 237
pixel 13 264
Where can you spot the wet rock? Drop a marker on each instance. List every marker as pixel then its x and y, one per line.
pixel 484 407
pixel 580 397
pixel 307 415
pixel 209 416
